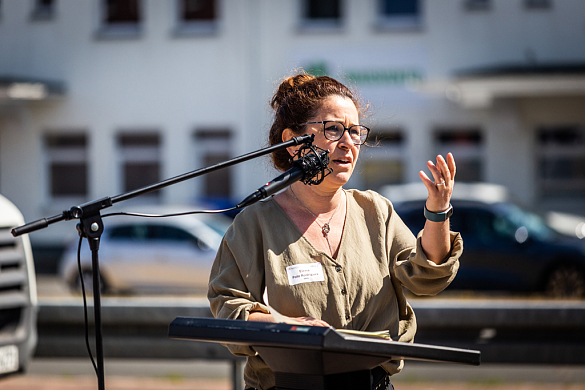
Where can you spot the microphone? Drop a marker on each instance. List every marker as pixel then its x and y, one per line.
pixel 305 168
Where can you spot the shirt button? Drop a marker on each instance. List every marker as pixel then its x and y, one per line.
pixel 344 291
pixel 338 268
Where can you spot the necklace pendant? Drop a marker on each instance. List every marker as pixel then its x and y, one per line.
pixel 326 229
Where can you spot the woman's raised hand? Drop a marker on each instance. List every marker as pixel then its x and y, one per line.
pixel 441 188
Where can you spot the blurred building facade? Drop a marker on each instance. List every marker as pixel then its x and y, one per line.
pixel 98 97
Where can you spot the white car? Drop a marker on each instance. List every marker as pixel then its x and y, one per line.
pixel 168 255
pixel 18 294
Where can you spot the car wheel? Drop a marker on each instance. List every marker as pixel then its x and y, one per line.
pixel 87 275
pixel 566 281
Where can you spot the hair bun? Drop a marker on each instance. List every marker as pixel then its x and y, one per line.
pixel 287 86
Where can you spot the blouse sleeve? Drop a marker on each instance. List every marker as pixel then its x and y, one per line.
pixel 410 264
pixel 236 281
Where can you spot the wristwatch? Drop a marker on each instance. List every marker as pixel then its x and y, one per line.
pixel 438 217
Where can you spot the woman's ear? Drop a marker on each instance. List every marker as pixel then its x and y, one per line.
pixel 287 135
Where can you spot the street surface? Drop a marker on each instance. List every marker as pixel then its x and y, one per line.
pixel 65 374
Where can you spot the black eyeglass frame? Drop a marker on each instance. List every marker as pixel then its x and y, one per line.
pixel 344 130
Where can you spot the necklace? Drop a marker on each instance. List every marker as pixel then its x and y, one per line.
pixel 325 228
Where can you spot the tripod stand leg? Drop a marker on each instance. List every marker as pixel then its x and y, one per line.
pixel 99 351
pixel 238 374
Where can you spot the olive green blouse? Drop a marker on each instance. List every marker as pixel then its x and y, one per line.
pixel 361 289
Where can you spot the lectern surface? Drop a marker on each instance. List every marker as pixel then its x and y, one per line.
pixel 313 342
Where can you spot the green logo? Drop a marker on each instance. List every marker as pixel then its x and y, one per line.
pixel 372 77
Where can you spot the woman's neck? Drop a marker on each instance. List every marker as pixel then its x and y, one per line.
pixel 318 200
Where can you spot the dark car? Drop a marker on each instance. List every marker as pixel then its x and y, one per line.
pixel 507 248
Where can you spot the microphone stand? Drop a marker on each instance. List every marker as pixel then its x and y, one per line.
pixel 91 227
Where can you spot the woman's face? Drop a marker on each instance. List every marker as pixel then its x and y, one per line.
pixel 343 153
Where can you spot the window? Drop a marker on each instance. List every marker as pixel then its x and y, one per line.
pixel 212 147
pixel 321 14
pixel 43 10
pixel 120 19
pixel 196 17
pixel 122 11
pixel 399 14
pixel 140 161
pixel 322 9
pixel 197 10
pixel 477 5
pixel 467 145
pixel 383 163
pixel 67 165
pixel 561 160
pixel 537 4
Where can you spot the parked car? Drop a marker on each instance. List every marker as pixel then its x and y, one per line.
pixel 18 294
pixel 136 254
pixel 505 247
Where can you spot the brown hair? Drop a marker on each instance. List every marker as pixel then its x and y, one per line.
pixel 297 99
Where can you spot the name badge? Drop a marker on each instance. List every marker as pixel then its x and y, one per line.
pixel 305 273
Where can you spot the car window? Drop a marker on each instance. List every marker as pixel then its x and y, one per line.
pixel 168 233
pixel 521 220
pixel 476 224
pixel 490 227
pixel 128 232
pixel 173 234
pixel 505 226
pixel 415 220
pixel 501 220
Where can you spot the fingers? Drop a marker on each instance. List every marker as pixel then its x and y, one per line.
pixel 451 164
pixel 426 181
pixel 436 170
pixel 313 321
pixel 316 322
pixel 444 170
pixel 441 185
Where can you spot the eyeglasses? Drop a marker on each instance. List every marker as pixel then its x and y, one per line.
pixel 333 131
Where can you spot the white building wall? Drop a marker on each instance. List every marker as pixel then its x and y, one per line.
pixel 509 147
pixel 176 85
pixel 153 82
pixel 507 33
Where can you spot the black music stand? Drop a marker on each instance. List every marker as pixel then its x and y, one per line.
pixel 312 357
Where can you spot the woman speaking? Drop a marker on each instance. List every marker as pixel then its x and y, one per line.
pixel 355 248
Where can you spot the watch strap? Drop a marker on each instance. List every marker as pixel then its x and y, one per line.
pixel 438 217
